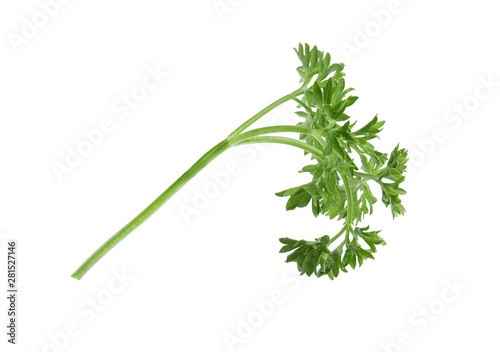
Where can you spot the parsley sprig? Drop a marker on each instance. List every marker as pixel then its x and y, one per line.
pixel 344 166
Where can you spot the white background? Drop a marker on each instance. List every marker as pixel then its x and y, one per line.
pixel 195 281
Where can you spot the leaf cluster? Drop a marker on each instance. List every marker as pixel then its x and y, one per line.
pixel 343 177
pixel 315 257
pixel 314 62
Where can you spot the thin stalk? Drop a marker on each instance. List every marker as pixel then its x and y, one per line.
pixel 285 140
pixel 337 235
pixel 150 209
pixel 264 111
pixel 350 209
pixel 370 177
pixel 362 174
pixel 317 136
pixel 273 129
pixel 341 244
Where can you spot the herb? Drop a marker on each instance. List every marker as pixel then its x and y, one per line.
pixel 339 188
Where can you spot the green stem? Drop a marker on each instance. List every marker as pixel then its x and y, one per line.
pixel 264 111
pixel 350 206
pixel 235 138
pixel 337 235
pixel 341 244
pixel 285 140
pixel 150 209
pixel 371 177
pixel 362 174
pixel 318 137
pixel 274 129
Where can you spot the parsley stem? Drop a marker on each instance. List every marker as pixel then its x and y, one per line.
pixel 341 244
pixel 350 204
pixel 272 129
pixel 253 137
pixel 234 138
pixel 337 235
pixel 150 209
pixel 362 174
pixel 370 177
pixel 317 136
pixel 264 111
pixel 285 140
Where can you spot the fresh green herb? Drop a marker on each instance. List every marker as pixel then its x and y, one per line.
pixel 344 164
